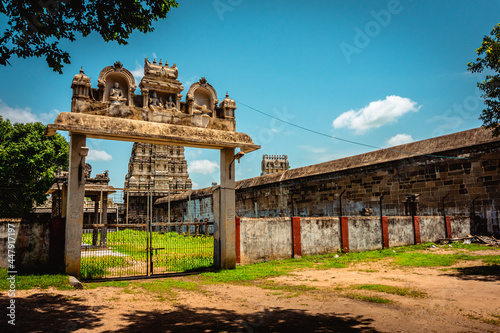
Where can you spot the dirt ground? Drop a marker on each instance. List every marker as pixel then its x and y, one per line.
pixel 461 298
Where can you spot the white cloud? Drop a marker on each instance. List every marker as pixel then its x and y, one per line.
pixel 18 115
pixel 399 139
pixel 138 72
pixel 98 155
pixel 25 115
pixel 314 150
pixel 192 152
pixel 189 81
pixel 202 166
pixel 195 186
pixel 376 114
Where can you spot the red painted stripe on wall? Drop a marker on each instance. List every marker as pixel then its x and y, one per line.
pixel 297 246
pixel 344 231
pixel 448 227
pixel 237 239
pixel 416 229
pixel 385 232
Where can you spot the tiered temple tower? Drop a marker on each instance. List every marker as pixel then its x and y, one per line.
pixel 274 163
pixel 154 169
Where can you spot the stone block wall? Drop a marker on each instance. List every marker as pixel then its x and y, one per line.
pixel 264 239
pixel 460 184
pixel 456 175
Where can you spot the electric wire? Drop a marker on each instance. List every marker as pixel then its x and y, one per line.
pixel 345 140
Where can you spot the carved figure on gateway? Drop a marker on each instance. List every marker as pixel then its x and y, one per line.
pixel 116 94
pixel 160 91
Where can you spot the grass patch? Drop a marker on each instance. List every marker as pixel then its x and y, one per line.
pixel 470 247
pixel 166 288
pixel 30 281
pixel 403 256
pixel 98 267
pixel 167 285
pixel 429 259
pixel 491 260
pixel 259 270
pixel 371 299
pixel 391 290
pixel 115 284
pixel 292 290
pixel 490 321
pixel 288 288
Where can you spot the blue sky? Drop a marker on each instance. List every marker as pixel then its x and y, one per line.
pixel 376 72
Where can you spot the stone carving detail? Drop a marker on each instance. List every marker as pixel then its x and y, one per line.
pixel 88 170
pixel 160 98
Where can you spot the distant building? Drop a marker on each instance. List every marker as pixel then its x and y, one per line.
pixel 155 169
pixel 274 163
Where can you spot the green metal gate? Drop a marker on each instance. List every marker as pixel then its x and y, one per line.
pixel 145 249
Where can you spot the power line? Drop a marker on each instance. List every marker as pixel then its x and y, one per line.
pixel 344 140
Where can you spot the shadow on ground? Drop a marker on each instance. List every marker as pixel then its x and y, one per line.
pixel 487 273
pixel 185 319
pixel 45 312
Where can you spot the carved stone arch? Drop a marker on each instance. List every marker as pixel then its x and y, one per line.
pixel 116 73
pixel 202 93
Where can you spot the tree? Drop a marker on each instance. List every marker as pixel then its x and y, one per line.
pixel 489 59
pixel 35 27
pixel 28 161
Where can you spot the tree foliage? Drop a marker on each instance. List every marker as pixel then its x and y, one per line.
pixel 28 161
pixel 489 59
pixel 35 27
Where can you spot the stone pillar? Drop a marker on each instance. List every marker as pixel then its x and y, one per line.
pixel 104 220
pixel 97 200
pixel 225 218
pixel 95 236
pixel 64 209
pixel 76 195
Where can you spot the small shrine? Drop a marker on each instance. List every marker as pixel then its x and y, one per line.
pixel 159 100
pixel 97 190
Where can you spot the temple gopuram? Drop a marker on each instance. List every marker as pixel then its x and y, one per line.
pixel 155 169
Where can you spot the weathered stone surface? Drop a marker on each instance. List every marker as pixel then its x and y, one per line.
pixel 319 235
pixel 265 239
pixel 109 128
pixel 432 229
pixel 400 230
pixel 365 233
pixel 32 243
pixel 73 281
pixel 434 147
